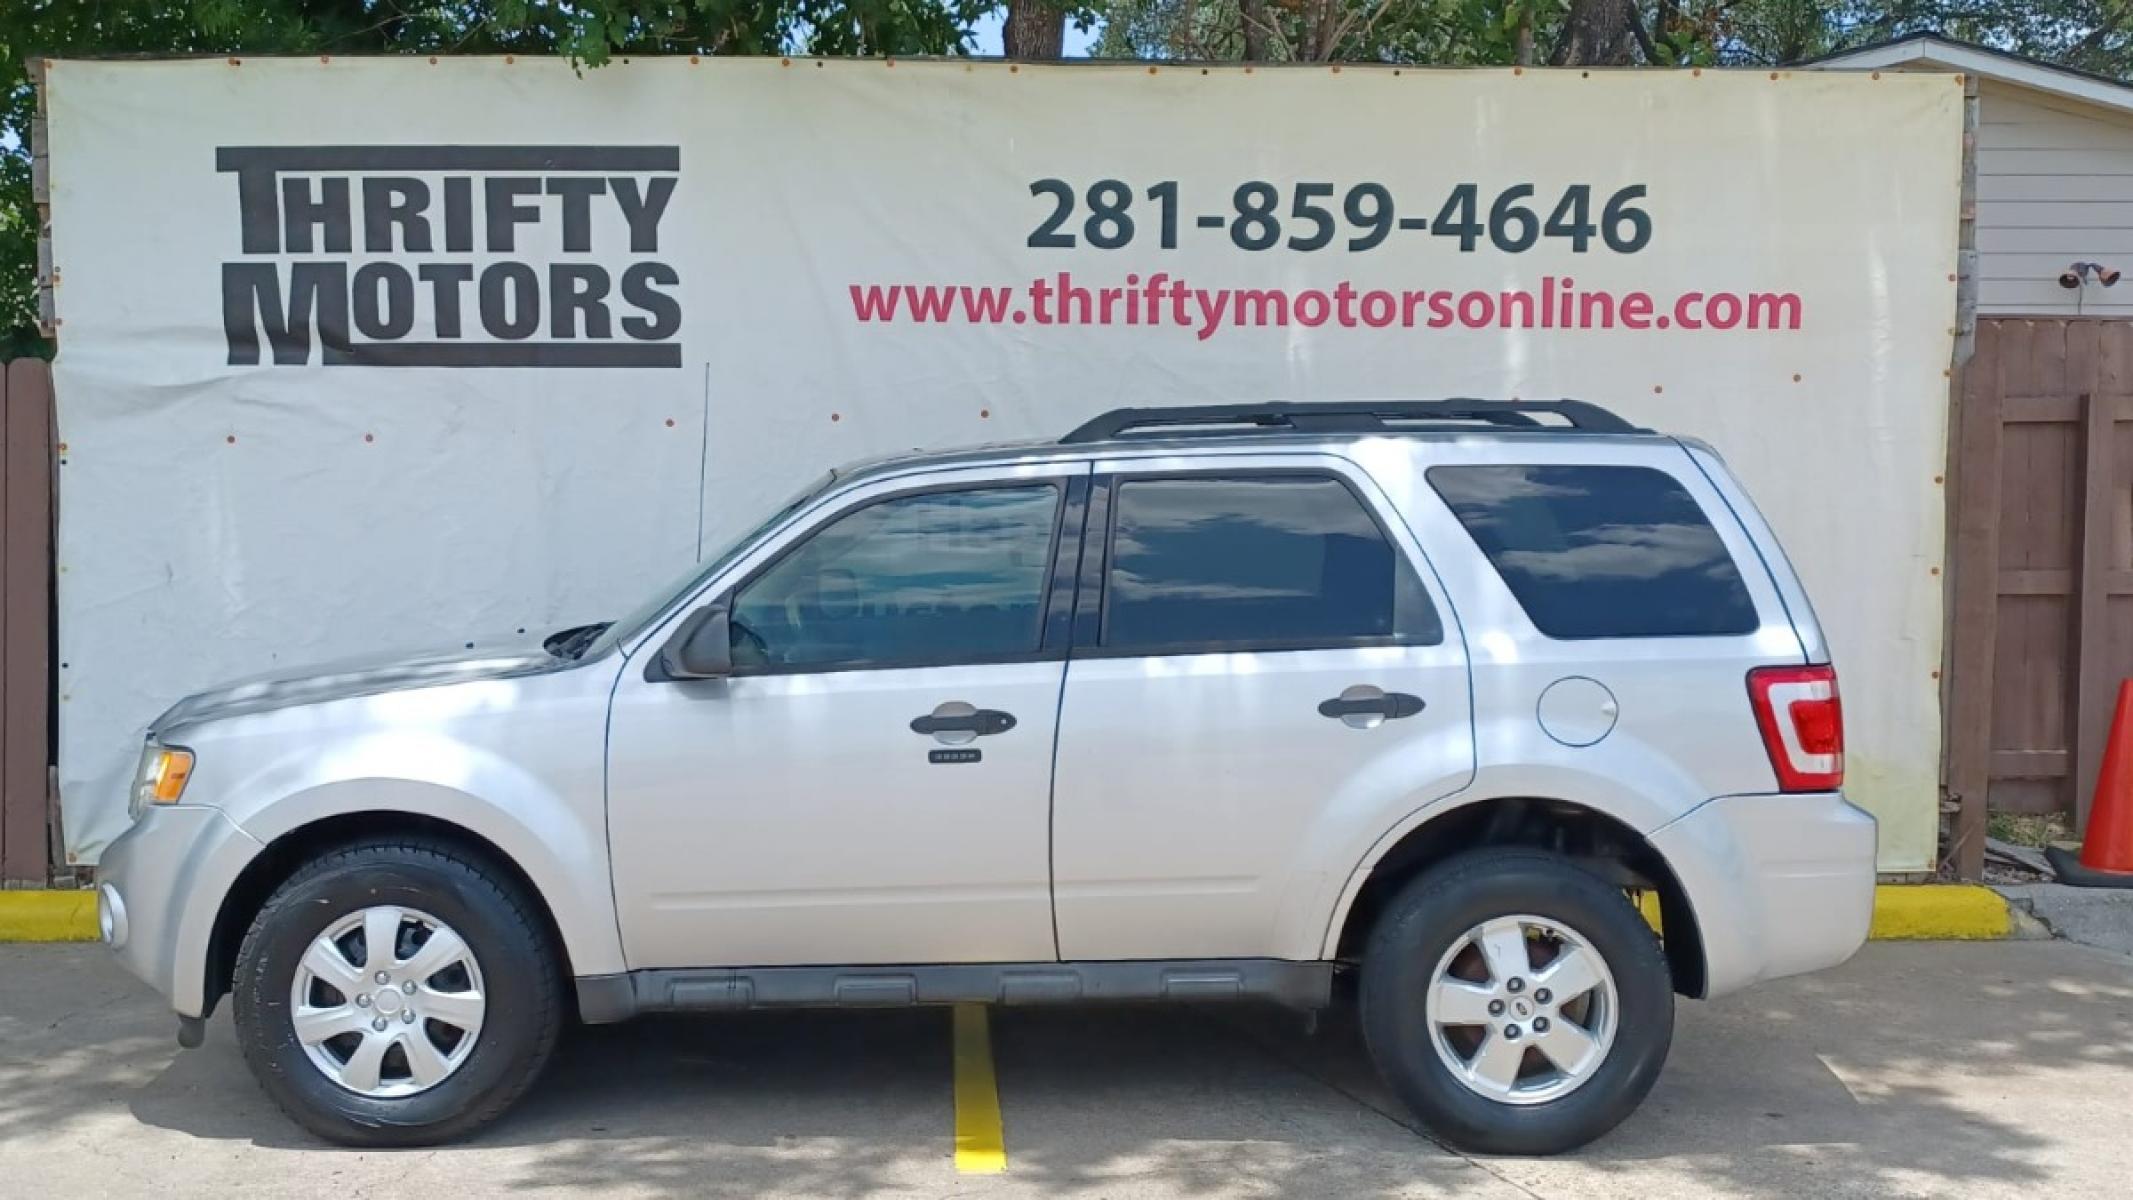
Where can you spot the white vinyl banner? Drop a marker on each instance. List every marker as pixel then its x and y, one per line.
pixel 369 354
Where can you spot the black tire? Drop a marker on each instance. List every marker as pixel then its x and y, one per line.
pixel 520 976
pixel 1427 917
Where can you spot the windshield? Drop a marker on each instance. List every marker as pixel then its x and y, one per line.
pixel 659 601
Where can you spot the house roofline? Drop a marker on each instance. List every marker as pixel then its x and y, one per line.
pixel 1931 49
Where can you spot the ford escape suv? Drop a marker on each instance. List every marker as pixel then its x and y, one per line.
pixel 1193 704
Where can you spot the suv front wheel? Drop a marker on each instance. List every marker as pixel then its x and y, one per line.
pixel 1516 1002
pixel 396 993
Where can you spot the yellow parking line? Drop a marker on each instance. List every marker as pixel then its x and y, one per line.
pixel 980 1146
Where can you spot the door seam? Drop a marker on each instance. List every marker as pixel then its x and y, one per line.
pixel 1066 668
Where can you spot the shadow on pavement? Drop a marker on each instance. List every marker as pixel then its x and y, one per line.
pixel 1910 1070
pixel 1915 1069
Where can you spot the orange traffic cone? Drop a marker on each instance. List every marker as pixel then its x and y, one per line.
pixel 2107 845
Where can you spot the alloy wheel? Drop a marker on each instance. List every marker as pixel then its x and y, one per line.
pixel 1522 1009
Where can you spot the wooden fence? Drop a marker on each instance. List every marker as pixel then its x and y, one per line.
pixel 2041 587
pixel 27 826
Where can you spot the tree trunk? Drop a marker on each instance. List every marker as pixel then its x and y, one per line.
pixel 1525 33
pixel 1597 33
pixel 1033 29
pixel 1255 27
pixel 1321 26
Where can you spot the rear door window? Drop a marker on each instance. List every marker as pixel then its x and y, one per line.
pixel 1601 552
pixel 1254 563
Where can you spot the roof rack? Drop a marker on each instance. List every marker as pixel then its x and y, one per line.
pixel 1385 416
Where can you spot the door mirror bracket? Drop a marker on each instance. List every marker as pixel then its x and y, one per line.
pixel 700 648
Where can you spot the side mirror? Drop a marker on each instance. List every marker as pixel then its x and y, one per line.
pixel 701 648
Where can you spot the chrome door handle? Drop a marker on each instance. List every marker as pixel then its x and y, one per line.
pixel 1366 707
pixel 954 723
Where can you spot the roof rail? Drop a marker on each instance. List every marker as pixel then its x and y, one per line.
pixel 1369 416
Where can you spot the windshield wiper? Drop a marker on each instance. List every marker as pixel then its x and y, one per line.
pixel 572 642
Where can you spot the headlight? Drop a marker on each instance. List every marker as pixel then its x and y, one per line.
pixel 164 770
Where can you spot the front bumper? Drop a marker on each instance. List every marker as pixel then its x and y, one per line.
pixel 1780 884
pixel 159 889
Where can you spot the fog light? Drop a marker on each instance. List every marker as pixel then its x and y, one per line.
pixel 110 916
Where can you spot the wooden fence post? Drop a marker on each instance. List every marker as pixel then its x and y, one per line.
pixel 2095 680
pixel 25 620
pixel 1976 586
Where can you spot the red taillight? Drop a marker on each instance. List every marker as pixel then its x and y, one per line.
pixel 1802 720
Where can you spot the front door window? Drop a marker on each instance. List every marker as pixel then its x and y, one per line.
pixel 936 578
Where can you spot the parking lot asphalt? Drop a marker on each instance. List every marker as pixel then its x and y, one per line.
pixel 1996 1069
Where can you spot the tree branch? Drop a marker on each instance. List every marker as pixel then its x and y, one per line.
pixel 1636 29
pixel 1273 30
pixel 1341 34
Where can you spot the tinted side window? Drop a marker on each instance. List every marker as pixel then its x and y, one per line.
pixel 1595 552
pixel 941 577
pixel 1241 562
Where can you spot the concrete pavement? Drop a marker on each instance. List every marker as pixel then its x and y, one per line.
pixel 2100 917
pixel 1993 1069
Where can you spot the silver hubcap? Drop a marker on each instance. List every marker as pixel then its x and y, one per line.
pixel 1522 1009
pixel 388 1001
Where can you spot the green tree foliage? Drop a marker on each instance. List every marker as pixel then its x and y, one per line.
pixel 2090 35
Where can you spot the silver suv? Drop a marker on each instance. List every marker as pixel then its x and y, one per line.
pixel 1193 704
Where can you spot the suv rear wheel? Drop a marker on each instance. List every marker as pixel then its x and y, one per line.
pixel 396 993
pixel 1516 1002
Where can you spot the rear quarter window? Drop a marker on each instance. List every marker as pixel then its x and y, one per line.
pixel 1601 551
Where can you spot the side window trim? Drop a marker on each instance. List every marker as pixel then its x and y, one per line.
pixel 1763 547
pixel 1095 564
pixel 1063 580
pixel 1411 600
pixel 1049 647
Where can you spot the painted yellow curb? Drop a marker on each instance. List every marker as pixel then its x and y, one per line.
pixel 47 916
pixel 1648 904
pixel 1939 911
pixel 1917 912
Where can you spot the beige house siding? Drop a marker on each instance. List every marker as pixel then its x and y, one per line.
pixel 2054 185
